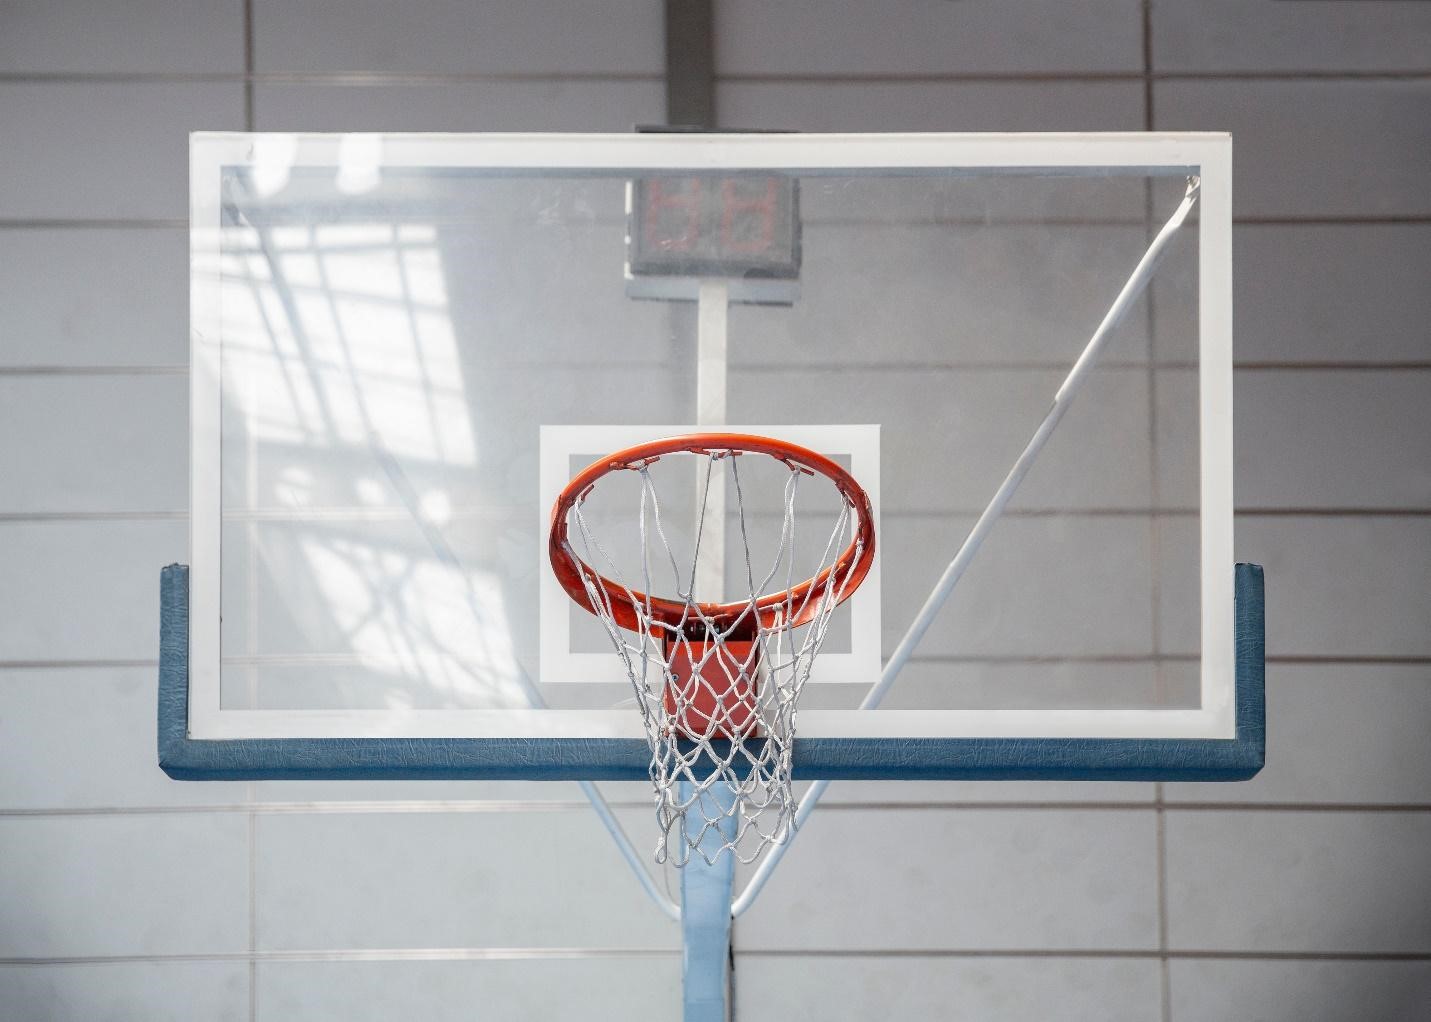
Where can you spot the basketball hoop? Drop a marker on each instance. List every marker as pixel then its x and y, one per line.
pixel 717 683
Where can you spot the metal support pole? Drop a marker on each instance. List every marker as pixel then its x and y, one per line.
pixel 705 911
pixel 711 366
pixel 705 889
pixel 690 63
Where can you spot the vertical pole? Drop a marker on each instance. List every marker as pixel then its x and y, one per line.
pixel 705 889
pixel 712 305
pixel 705 911
pixel 690 63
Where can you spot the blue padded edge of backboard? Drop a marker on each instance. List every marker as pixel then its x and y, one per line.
pixel 1082 759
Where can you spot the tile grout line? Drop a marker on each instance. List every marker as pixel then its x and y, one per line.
pixel 1043 77
pixel 450 954
pixel 29 223
pixel 321 78
pixel 1322 366
pixel 422 954
pixel 252 904
pixel 250 789
pixel 495 806
pixel 402 78
pixel 1160 863
pixel 1365 660
pixel 248 64
pixel 388 514
pixel 1164 970
pixel 1073 954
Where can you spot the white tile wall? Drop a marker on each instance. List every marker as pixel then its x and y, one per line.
pixel 977 419
pixel 1378 564
pixel 82 297
pixel 927 37
pixel 815 989
pixel 548 105
pixel 1352 733
pixel 141 37
pixel 1092 599
pixel 154 991
pixel 80 886
pixel 1066 105
pixel 956 879
pixel 1213 991
pixel 1291 284
pixel 126 448
pixel 1314 149
pixel 1298 881
pixel 90 588
pixel 1350 586
pixel 549 878
pixel 1372 425
pixel 106 150
pixel 635 988
pixel 108 753
pixel 451 37
pixel 1229 35
pixel 103 98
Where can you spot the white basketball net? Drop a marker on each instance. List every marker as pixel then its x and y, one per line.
pixel 719 704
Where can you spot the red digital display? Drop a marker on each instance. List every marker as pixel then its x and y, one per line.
pixel 739 226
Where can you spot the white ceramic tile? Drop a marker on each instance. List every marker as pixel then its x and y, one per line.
pixel 899 879
pixel 477 794
pixel 896 792
pixel 1337 586
pixel 1304 881
pixel 931 106
pixel 927 37
pixel 89 589
pixel 124 991
pixel 1315 293
pixel 1343 587
pixel 81 297
pixel 905 291
pixel 1213 991
pixel 522 879
pixel 636 989
pixel 1021 683
pixel 94 443
pixel 107 150
pixel 1047 587
pixel 977 421
pixel 818 989
pixel 73 738
pixel 454 37
pixel 1310 148
pixel 124 885
pixel 1356 292
pixel 1348 439
pixel 145 37
pixel 1338 733
pixel 1176 421
pixel 1176 545
pixel 551 105
pixel 1227 35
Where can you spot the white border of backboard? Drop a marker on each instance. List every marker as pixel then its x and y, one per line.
pixel 559 444
pixel 1206 154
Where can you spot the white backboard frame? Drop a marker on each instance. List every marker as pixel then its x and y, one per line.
pixel 1207 155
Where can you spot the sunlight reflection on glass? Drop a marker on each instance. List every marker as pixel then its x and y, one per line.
pixel 360 158
pixel 419 619
pixel 273 162
pixel 349 425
